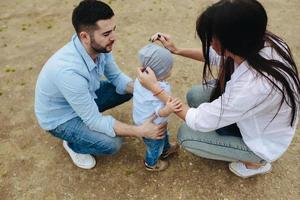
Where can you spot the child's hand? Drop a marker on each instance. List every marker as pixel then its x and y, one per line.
pixel 174 105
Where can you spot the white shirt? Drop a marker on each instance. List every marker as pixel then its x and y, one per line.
pixel 248 102
pixel 145 104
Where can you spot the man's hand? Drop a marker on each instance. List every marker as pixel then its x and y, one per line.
pixel 129 87
pixel 153 131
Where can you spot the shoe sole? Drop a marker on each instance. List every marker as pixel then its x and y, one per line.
pixel 84 167
pixel 239 175
pixel 149 169
pixel 155 170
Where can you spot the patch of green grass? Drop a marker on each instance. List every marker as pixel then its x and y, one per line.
pixel 26 25
pixel 3 27
pixel 9 70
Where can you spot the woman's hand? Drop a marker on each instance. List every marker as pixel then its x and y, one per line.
pixel 174 105
pixel 153 131
pixel 148 79
pixel 165 39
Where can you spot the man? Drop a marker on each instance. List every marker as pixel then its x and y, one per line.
pixel 70 92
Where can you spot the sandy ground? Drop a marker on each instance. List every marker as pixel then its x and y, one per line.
pixel 33 165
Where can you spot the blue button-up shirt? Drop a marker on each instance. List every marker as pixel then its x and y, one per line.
pixel 66 88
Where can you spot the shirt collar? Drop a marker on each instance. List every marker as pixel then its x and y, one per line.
pixel 239 70
pixel 82 51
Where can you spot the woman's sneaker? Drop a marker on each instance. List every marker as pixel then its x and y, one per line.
pixel 159 166
pixel 84 161
pixel 241 170
pixel 174 147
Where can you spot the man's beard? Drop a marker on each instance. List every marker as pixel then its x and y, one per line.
pixel 97 48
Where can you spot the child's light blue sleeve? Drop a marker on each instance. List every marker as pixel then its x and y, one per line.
pixel 157 104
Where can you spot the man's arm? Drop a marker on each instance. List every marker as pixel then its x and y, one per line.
pixel 147 129
pixel 116 76
pixel 129 88
pixel 75 90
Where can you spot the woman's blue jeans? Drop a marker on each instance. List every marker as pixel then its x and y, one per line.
pixel 83 140
pixel 222 144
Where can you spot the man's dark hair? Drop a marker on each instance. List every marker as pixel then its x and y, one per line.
pixel 88 12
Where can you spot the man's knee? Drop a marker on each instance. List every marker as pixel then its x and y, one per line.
pixel 127 97
pixel 116 145
pixel 112 146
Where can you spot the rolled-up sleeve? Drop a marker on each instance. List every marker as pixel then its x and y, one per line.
pixel 115 75
pixel 74 88
pixel 234 105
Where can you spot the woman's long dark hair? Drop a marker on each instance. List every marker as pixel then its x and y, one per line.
pixel 240 27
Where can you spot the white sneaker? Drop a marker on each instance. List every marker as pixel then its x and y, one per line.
pixel 84 161
pixel 241 170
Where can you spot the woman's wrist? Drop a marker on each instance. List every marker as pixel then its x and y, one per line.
pixel 176 51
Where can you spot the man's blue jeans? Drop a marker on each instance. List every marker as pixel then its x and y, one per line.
pixel 83 140
pixel 154 148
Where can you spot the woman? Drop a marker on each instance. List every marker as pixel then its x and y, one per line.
pixel 248 114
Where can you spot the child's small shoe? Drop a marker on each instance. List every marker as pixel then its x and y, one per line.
pixel 159 166
pixel 174 147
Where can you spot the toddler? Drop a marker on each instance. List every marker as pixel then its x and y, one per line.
pixel 145 104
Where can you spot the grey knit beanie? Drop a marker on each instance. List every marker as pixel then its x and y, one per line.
pixel 159 59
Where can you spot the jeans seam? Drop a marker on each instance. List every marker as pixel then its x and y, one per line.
pixel 75 136
pixel 215 144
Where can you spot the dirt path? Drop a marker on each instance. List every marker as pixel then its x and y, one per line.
pixel 34 165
